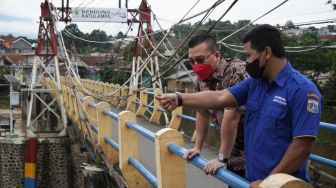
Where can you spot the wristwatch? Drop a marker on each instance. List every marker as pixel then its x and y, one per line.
pixel 221 158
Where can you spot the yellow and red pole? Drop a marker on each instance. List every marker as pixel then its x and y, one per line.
pixel 30 163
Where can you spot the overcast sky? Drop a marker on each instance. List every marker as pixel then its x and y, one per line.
pixel 20 17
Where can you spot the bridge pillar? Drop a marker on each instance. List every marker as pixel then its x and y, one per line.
pixel 175 121
pixel 155 118
pixel 128 143
pixel 170 169
pixel 105 129
pixel 281 180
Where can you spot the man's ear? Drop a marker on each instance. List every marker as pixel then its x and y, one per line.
pixel 217 54
pixel 269 52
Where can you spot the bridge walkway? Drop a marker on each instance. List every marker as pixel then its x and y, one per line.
pixel 195 178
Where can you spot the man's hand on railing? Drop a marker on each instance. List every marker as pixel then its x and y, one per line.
pixel 191 153
pixel 212 166
pixel 168 101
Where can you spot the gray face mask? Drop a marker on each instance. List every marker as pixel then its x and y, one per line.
pixel 254 70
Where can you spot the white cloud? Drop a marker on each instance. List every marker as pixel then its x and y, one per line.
pixel 19 28
pixel 28 9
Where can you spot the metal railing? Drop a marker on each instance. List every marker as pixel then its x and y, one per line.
pixel 74 112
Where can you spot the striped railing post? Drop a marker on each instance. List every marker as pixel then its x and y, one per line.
pixel 30 169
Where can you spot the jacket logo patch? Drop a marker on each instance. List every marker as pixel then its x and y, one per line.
pixel 312 95
pixel 313 106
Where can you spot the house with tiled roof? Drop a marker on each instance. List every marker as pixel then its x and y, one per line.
pixel 15 45
pixel 19 65
pixel 181 80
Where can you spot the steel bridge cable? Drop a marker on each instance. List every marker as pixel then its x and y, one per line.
pixel 221 17
pixel 146 61
pixel 253 21
pixel 70 70
pixel 60 40
pixel 189 35
pixel 85 5
pixel 81 4
pixel 148 58
pixel 171 46
pixel 333 20
pixel 202 12
pixel 186 38
pixel 83 87
pixel 90 41
pixel 288 48
pixel 143 35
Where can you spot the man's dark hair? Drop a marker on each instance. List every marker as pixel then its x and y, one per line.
pixel 263 36
pixel 199 39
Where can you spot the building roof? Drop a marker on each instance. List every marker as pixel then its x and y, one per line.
pixel 187 79
pixel 17 59
pixel 13 40
pixel 328 37
pixel 94 60
pixel 11 79
pixel 8 39
pixel 179 74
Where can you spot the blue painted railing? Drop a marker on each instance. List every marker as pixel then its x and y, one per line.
pixel 151 93
pixel 144 132
pixel 92 105
pixel 143 170
pixel 222 174
pixel 322 160
pixel 95 129
pixel 191 119
pixel 113 143
pixel 328 126
pixel 111 114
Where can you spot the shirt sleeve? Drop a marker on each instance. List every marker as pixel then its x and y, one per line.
pixel 240 91
pixel 306 112
pixel 237 72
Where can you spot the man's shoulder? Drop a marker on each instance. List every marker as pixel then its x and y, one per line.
pixel 233 65
pixel 301 80
pixel 234 61
pixel 301 84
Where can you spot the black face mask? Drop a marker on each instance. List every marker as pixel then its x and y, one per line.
pixel 254 70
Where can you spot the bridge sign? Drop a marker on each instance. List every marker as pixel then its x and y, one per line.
pixel 118 15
